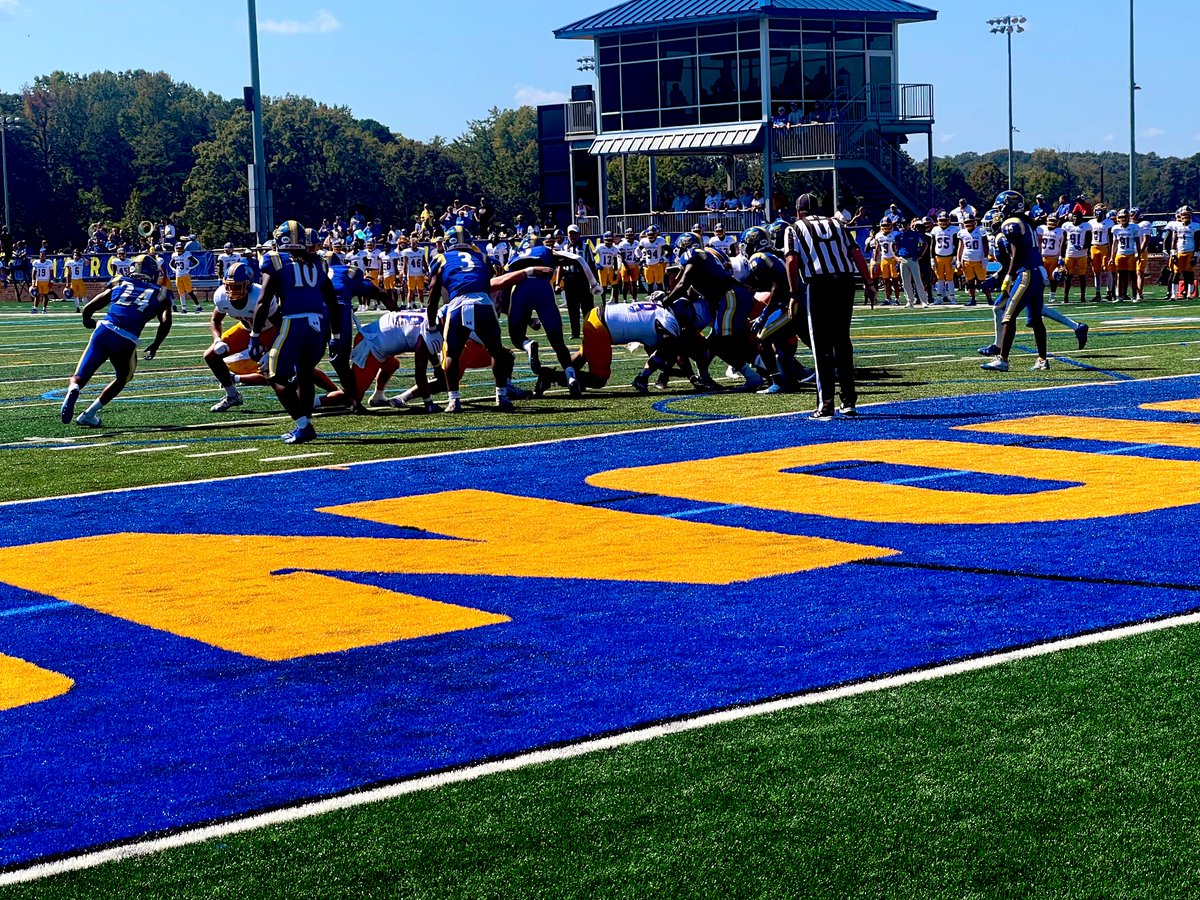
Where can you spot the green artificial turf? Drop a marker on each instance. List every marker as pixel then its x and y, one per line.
pixel 901 354
pixel 1063 776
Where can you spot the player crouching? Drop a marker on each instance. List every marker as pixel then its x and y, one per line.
pixel 132 303
pixel 614 325
pixel 374 355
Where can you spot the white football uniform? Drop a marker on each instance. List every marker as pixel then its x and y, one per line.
pixel 75 269
pixel 943 239
pixel 973 249
pixel 1075 236
pixel 414 263
pixel 392 334
pixel 1125 239
pixel 43 270
pixel 226 260
pixel 633 323
pixel 722 243
pixel 1050 240
pixel 244 314
pixel 1099 232
pixel 1184 236
pixel 653 251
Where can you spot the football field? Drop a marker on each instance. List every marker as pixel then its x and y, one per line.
pixel 678 645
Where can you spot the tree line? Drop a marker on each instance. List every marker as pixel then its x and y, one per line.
pixel 126 147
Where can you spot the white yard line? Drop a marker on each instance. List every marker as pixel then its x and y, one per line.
pixel 221 453
pixel 628 738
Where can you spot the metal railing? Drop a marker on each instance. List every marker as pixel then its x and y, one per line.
pixel 581 117
pixel 901 102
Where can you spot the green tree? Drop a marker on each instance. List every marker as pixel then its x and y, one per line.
pixel 498 157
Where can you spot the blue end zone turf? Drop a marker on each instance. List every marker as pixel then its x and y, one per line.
pixel 161 731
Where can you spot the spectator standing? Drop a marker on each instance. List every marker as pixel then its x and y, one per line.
pixel 485 213
pixel 910 244
pixel 822 257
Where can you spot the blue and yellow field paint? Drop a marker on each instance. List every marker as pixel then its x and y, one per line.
pixel 194 653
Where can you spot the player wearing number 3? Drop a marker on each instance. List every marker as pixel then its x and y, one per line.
pixel 132 302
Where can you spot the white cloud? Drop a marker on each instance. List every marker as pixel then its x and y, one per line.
pixel 1155 132
pixel 322 23
pixel 945 138
pixel 526 95
pixel 9 7
pixel 1109 138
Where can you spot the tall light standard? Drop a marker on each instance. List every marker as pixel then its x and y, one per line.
pixel 258 189
pixel 7 124
pixel 1006 25
pixel 1133 88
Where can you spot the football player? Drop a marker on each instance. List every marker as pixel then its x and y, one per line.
pixel 1125 246
pixel 778 325
pixel 74 270
pixel 972 257
pixel 182 263
pixel 415 265
pixel 608 264
pixel 1050 241
pixel 132 303
pixel 43 279
pixel 1098 244
pixel 463 272
pixel 1023 287
pixel 631 268
pixel 374 360
pixel 1179 242
pixel 944 251
pixel 534 296
pixel 1075 255
pixel 308 308
pixel 887 261
pixel 654 256
pixel 610 325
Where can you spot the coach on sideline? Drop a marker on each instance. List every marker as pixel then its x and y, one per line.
pixel 821 257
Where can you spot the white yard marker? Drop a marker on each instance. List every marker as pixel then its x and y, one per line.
pixel 221 453
pixel 297 456
pixel 152 449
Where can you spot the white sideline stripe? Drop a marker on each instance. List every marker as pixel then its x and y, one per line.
pixel 297 456
pixel 221 453
pixel 152 449
pixel 565 440
pixel 572 751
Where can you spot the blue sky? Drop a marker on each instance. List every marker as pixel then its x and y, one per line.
pixel 413 67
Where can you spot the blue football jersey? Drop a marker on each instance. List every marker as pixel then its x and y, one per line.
pixel 1022 241
pixel 347 283
pixel 133 304
pixel 533 256
pixel 300 283
pixel 764 269
pixel 464 270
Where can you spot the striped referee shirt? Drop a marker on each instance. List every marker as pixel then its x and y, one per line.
pixel 822 245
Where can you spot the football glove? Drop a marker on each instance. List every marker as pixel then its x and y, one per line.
pixel 220 348
pixel 255 349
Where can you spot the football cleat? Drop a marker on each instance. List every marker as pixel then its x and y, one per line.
pixel 996 364
pixel 505 405
pixel 754 381
pixel 535 361
pixel 1040 365
pixel 517 393
pixel 848 411
pixel 378 401
pixel 226 403
pixel 773 388
pixel 454 406
pixel 68 407
pixel 1081 334
pixel 431 407
pixel 641 384
pixel 575 388
pixel 88 420
pixel 989 350
pixel 300 435
pixel 822 414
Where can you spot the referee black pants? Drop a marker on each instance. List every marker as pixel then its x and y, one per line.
pixel 830 308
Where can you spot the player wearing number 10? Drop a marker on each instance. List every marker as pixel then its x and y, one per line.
pixel 132 303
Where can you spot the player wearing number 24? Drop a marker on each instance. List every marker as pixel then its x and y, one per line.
pixel 132 303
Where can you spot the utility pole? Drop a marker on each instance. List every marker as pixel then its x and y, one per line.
pixel 258 187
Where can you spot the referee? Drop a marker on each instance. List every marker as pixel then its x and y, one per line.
pixel 821 258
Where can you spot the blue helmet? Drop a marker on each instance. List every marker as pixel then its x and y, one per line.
pixel 456 236
pixel 992 220
pixel 608 236
pixel 237 280
pixel 289 236
pixel 756 239
pixel 776 230
pixel 1009 203
pixel 685 248
pixel 145 267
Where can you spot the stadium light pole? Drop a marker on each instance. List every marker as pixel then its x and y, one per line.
pixel 1006 25
pixel 7 124
pixel 260 154
pixel 1133 88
